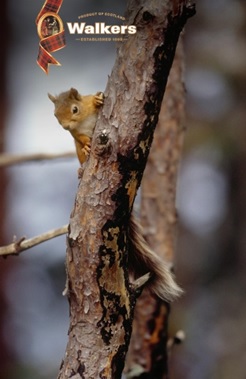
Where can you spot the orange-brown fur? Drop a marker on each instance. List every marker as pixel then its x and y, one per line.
pixel 78 115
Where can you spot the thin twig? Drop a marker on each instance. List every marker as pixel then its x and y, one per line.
pixel 9 159
pixel 23 244
pixel 140 282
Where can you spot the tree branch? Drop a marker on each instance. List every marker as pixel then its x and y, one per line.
pixel 9 159
pixel 23 244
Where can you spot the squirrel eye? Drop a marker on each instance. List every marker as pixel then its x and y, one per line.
pixel 75 109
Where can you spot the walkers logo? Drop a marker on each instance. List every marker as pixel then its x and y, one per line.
pixel 88 31
pixel 52 36
pixel 51 33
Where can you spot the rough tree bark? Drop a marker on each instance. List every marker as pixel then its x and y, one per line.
pixel 101 298
pixel 148 353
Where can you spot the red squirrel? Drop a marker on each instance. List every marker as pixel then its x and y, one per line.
pixel 78 114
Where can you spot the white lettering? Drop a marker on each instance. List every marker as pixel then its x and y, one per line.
pixel 115 29
pixel 132 29
pixel 105 28
pixel 123 29
pixel 76 27
pixel 100 28
pixel 89 29
pixel 97 28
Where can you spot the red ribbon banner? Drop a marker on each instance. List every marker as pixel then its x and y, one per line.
pixel 51 33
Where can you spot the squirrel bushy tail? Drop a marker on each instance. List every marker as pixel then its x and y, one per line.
pixel 143 260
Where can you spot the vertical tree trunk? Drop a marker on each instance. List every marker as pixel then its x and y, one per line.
pixel 148 351
pixel 101 298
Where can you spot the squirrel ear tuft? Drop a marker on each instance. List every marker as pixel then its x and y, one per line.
pixel 52 98
pixel 73 94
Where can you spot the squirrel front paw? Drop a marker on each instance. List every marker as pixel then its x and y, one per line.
pixel 99 99
pixel 86 149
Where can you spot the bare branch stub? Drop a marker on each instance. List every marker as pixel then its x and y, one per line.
pixel 9 159
pixel 18 246
pixel 101 298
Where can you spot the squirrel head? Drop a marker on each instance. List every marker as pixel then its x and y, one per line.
pixel 72 94
pixel 67 108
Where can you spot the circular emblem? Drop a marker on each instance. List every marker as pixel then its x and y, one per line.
pixel 49 24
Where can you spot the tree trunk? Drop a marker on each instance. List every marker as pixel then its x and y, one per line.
pixel 148 354
pixel 101 298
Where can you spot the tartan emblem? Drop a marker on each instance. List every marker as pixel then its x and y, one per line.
pixel 51 33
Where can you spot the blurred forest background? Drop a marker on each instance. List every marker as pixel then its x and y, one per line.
pixel 35 197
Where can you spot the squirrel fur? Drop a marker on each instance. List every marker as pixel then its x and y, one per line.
pixel 78 114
